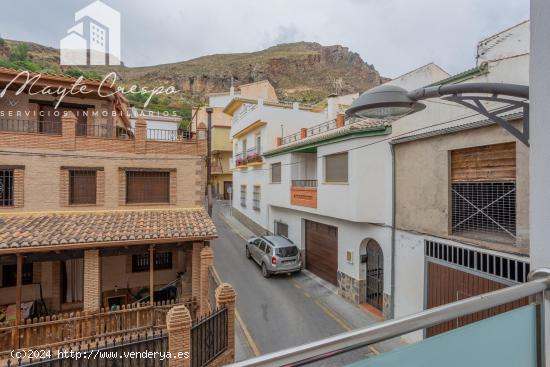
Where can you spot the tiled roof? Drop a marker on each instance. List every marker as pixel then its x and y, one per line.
pixel 66 228
pixel 353 127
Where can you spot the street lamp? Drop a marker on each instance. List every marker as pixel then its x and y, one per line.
pixel 388 101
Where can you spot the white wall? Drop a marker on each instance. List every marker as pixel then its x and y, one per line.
pixel 420 77
pixel 350 236
pixel 511 42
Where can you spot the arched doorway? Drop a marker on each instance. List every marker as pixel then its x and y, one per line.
pixel 374 264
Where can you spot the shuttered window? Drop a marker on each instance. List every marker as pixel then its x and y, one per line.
pixel 147 187
pixel 276 173
pixel 82 187
pixel 336 168
pixel 483 192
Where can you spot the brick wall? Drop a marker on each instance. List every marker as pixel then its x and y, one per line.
pixel 42 185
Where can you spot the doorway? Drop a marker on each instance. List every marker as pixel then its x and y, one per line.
pixel 374 270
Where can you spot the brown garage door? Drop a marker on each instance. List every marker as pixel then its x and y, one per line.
pixel 322 250
pixel 446 285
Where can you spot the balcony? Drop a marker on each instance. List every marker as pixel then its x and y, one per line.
pixel 68 134
pixel 512 338
pixel 251 158
pixel 304 193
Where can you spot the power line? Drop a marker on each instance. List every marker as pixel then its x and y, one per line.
pixel 391 137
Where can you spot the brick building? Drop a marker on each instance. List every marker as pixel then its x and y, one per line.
pixel 93 213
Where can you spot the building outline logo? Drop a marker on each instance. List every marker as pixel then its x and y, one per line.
pixel 94 39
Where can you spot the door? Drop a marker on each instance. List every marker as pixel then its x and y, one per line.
pixel 227 188
pixel 322 250
pixel 375 275
pixel 446 285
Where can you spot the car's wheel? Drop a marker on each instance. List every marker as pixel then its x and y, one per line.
pixel 265 272
pixel 248 256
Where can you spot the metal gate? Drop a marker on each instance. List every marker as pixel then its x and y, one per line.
pixel 375 275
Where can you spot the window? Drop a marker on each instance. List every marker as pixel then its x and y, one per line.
pixel 336 168
pixel 256 198
pixel 258 144
pixel 243 196
pixel 147 187
pixel 163 260
pixel 268 249
pixel 6 187
pixel 9 275
pixel 276 173
pixel 82 187
pixel 244 147
pixel 262 246
pixel 281 229
pixel 483 192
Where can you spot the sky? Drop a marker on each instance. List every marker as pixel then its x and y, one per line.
pixel 395 36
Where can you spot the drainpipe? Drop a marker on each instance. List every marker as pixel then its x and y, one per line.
pixel 393 205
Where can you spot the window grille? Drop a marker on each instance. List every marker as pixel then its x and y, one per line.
pixel 163 260
pixel 484 210
pixel 256 198
pixel 243 196
pixel 6 187
pixel 82 186
pixel 9 275
pixel 498 266
pixel 147 187
pixel 281 229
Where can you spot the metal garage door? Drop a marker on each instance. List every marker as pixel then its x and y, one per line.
pixel 322 250
pixel 446 285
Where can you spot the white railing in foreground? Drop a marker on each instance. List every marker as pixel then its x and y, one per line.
pixel 321 349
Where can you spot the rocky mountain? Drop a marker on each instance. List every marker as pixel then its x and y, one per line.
pixel 303 71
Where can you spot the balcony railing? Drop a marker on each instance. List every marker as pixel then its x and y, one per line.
pixel 106 131
pixel 304 183
pixel 169 135
pixel 496 339
pixel 30 126
pixel 291 138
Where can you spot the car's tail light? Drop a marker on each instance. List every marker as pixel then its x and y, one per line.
pixel 273 260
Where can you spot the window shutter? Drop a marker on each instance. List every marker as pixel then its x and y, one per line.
pixel 336 167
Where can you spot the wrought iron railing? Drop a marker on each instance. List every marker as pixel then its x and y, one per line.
pixel 304 183
pixel 321 128
pixel 290 138
pixel 209 337
pixel 169 135
pixel 106 131
pixel 30 126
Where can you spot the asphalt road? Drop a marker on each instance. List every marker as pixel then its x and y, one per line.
pixel 282 311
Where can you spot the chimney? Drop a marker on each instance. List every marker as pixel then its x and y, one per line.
pixel 340 118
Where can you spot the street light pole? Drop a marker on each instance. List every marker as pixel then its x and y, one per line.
pixel 209 111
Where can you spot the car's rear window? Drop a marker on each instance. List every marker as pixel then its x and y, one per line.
pixel 287 251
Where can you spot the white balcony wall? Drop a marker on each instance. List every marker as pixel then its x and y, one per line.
pixel 366 197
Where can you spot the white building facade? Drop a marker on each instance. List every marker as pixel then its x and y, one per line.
pixel 456 235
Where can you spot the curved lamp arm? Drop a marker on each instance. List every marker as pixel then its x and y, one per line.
pixel 511 90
